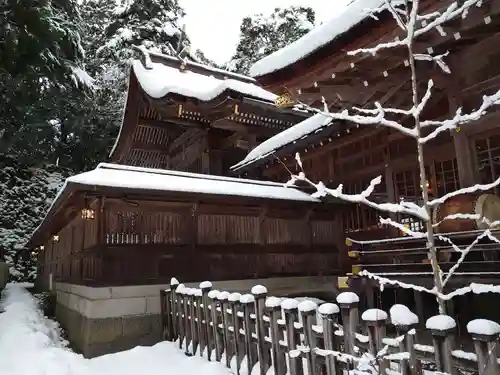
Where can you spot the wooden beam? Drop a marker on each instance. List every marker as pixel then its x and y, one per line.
pixel 184 137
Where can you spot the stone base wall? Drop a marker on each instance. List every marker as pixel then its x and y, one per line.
pixel 106 320
pixel 100 321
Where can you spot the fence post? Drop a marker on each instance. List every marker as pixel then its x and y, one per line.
pixel 206 287
pixel 273 306
pixel 190 292
pixel 485 335
pixel 328 312
pixel 180 311
pixel 405 321
pixel 375 320
pixel 248 300
pixel 234 300
pixel 213 295
pixel 171 300
pixel 197 318
pixel 442 327
pixel 260 292
pixel 307 310
pixel 223 298
pixel 164 314
pixel 290 306
pixel 348 302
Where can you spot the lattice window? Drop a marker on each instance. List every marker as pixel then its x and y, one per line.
pixel 488 159
pixel 360 216
pixel 446 173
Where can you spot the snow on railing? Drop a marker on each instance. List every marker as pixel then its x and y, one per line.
pixel 255 333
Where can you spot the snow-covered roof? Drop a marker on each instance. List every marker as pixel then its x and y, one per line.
pixel 200 66
pixel 129 177
pixel 125 177
pixel 353 14
pixel 290 135
pixel 159 80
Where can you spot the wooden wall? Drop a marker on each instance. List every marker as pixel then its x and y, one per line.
pixel 148 242
pixel 355 159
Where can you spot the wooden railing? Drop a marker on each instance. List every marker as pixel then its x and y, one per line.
pixel 251 333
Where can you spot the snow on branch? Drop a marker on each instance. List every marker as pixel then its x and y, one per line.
pixel 464 252
pixel 453 11
pixel 431 21
pixel 377 117
pixel 402 228
pixel 438 59
pixel 468 190
pixel 403 207
pixel 459 118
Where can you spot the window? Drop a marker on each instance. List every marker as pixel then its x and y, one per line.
pixel 488 159
pixel 446 177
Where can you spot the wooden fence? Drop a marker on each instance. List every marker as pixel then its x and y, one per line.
pixel 254 334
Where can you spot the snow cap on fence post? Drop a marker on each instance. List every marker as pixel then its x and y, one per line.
pixel 402 317
pixel 173 282
pixel 442 328
pixel 273 303
pixel 485 334
pixel 234 297
pixel 205 285
pixel 375 320
pixel 260 293
pixel 247 298
pixel 290 307
pixel 223 296
pixel 348 302
pixel 213 294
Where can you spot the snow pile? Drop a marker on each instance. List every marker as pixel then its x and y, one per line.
pixel 347 298
pixel 328 309
pixel 353 14
pixel 301 130
pixel 31 345
pixel 402 316
pixel 483 327
pixel 440 323
pixel 162 80
pixel 374 315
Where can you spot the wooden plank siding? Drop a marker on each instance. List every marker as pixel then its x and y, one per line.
pixel 146 243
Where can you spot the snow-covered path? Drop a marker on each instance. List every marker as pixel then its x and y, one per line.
pixel 30 344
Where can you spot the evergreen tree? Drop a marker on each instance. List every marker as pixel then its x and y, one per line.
pixel 152 24
pixel 40 51
pixel 25 195
pixel 262 35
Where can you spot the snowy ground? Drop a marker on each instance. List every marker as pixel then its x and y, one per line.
pixel 30 344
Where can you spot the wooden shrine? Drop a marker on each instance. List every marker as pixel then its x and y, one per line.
pixel 186 116
pixel 337 152
pixel 121 225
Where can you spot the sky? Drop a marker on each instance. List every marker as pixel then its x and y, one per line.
pixel 214 25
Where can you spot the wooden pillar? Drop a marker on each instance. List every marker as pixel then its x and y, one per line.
pixel 462 145
pixel 216 162
pixel 419 307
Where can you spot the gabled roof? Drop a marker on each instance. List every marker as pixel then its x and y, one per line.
pixel 354 13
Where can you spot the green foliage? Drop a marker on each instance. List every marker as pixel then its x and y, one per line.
pixel 261 35
pixel 25 195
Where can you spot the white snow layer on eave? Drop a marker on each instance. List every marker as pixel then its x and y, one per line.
pixel 321 35
pixel 287 136
pixel 162 80
pixel 134 179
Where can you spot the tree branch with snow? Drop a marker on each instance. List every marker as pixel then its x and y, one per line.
pixel 408 122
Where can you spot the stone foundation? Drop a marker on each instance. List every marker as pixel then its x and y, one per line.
pixel 100 321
